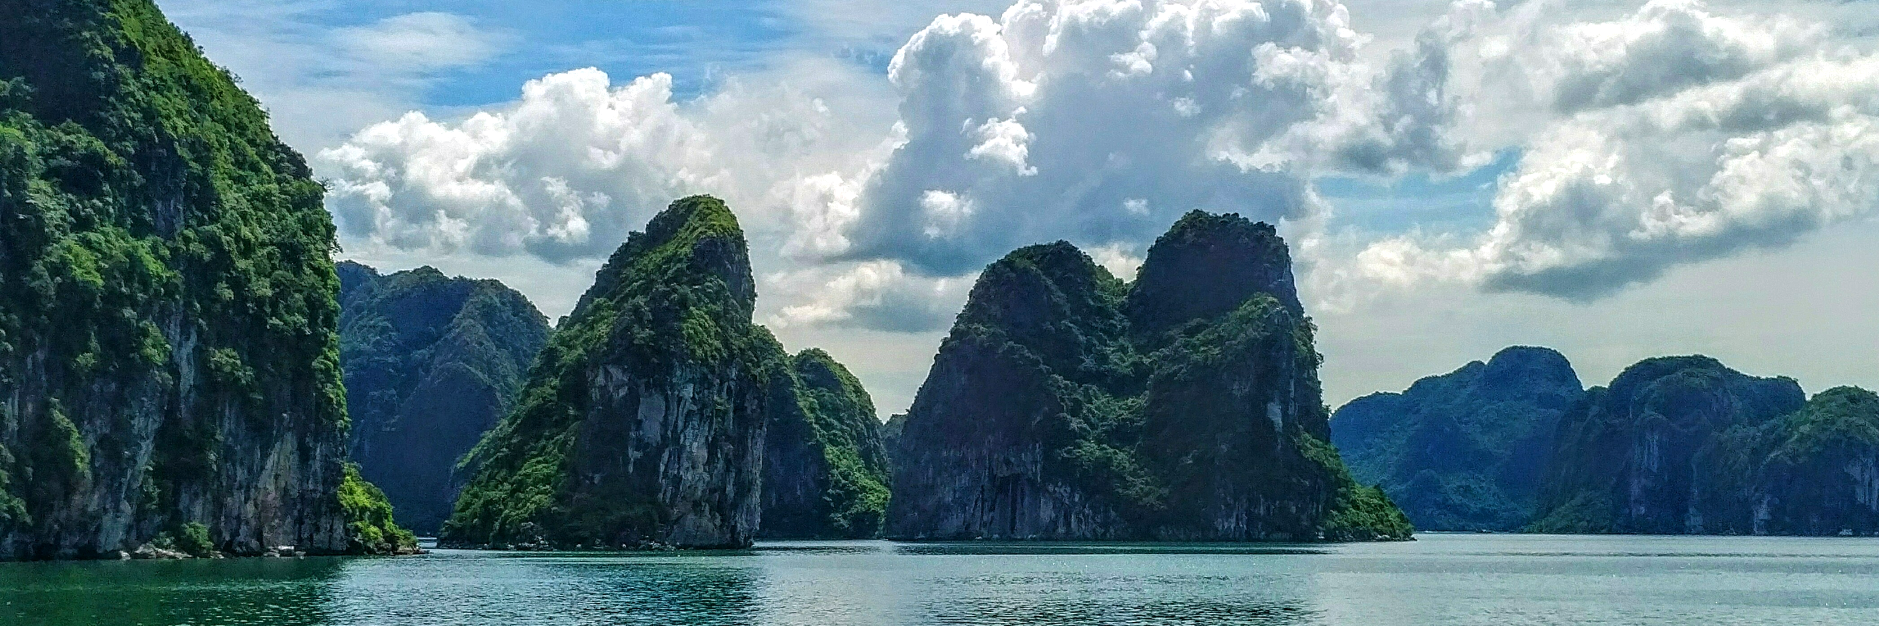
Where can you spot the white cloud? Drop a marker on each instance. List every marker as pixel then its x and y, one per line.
pixel 321 83
pixel 1097 121
pixel 1675 135
pixel 1100 121
pixel 877 295
pixel 578 162
pixel 419 42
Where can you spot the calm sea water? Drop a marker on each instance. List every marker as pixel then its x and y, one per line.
pixel 1441 579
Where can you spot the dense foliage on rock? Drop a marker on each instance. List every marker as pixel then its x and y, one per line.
pixel 168 355
pixel 431 363
pixel 1813 472
pixel 1635 457
pixel 642 421
pixel 1464 450
pixel 1067 404
pixel 825 470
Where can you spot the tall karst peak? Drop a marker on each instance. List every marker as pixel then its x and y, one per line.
pixel 1059 407
pixel 1206 266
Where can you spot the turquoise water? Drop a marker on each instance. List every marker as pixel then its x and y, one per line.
pixel 1441 579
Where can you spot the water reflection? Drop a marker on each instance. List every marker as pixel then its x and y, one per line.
pixel 1469 580
pixel 283 592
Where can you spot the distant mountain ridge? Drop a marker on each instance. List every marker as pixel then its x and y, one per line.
pixel 1465 450
pixel 1674 445
pixel 431 363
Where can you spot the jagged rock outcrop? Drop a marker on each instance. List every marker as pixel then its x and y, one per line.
pixel 431 363
pixel 1066 404
pixel 1812 472
pixel 825 471
pixel 168 356
pixel 1630 458
pixel 1464 450
pixel 642 422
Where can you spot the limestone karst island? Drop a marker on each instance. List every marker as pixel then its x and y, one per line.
pixel 1035 312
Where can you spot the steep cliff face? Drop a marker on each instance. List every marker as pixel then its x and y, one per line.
pixel 1464 450
pixel 168 355
pixel 643 419
pixel 431 363
pixel 1627 457
pixel 824 467
pixel 1812 472
pixel 1066 404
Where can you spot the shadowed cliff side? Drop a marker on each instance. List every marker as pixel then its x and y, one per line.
pixel 431 364
pixel 1465 450
pixel 169 366
pixel 642 421
pixel 825 470
pixel 1066 404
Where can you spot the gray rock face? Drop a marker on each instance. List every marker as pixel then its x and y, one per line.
pixel 1066 404
pixel 167 326
pixel 643 421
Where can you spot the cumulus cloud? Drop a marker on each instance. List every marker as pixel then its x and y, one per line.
pixel 1670 136
pixel 1100 121
pixel 1097 121
pixel 566 172
pixel 878 295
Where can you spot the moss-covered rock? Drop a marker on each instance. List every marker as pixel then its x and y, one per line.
pixel 642 421
pixel 825 468
pixel 168 353
pixel 1067 404
pixel 1464 450
pixel 1629 458
pixel 369 518
pixel 431 363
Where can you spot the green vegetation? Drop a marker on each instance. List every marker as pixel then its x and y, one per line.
pixel 1811 472
pixel 825 468
pixel 673 301
pixel 164 268
pixel 1184 406
pixel 1464 450
pixel 431 364
pixel 370 529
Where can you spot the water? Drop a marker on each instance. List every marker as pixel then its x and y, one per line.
pixel 1441 579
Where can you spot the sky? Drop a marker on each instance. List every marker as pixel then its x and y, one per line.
pixel 1613 179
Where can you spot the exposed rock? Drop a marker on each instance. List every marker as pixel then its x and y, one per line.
pixel 431 364
pixel 168 354
pixel 825 470
pixel 1812 472
pixel 1066 404
pixel 1627 457
pixel 643 419
pixel 1465 450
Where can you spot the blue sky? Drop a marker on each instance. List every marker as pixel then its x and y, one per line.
pixel 1619 238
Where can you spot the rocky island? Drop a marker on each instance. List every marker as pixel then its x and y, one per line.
pixel 431 363
pixel 169 354
pixel 1466 450
pixel 1067 404
pixel 645 421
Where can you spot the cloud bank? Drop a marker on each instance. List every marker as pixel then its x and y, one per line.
pixel 1664 137
pixel 1096 121
pixel 1668 137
